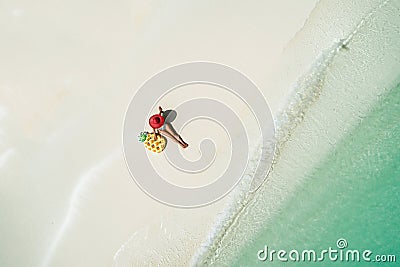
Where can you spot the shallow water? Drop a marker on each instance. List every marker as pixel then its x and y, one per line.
pixel 352 194
pixel 337 170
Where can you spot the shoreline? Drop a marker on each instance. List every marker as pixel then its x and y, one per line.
pixel 283 181
pixel 67 82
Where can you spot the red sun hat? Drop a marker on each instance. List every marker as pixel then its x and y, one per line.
pixel 156 121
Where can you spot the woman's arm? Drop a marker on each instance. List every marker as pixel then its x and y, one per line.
pixel 156 132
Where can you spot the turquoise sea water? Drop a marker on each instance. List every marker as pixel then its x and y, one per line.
pixel 352 194
pixel 337 170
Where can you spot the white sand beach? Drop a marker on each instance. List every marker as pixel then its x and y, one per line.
pixel 68 72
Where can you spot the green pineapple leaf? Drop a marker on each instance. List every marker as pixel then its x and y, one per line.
pixel 142 136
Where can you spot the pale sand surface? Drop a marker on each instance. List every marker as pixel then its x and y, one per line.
pixel 333 97
pixel 68 72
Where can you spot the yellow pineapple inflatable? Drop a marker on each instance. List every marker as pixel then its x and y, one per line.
pixel 152 141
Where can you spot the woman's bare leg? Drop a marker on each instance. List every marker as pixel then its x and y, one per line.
pixel 171 130
pixel 163 132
